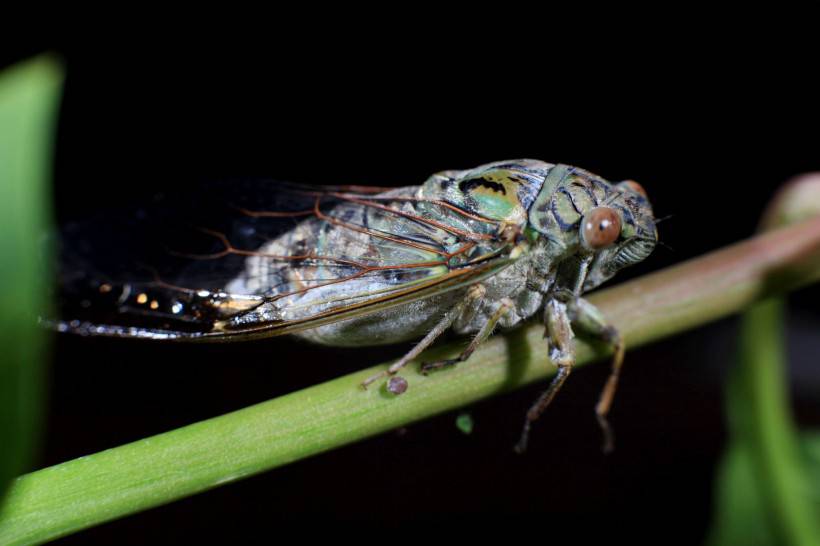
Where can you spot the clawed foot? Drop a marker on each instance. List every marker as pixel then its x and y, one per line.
pixel 609 436
pixel 521 447
pixel 396 384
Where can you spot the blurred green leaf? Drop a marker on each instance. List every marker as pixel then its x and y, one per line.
pixel 768 487
pixel 29 97
pixel 810 449
pixel 741 505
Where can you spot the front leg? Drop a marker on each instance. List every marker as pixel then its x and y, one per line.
pixel 487 328
pixel 559 334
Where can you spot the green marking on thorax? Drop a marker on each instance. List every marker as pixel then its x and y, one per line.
pixel 500 207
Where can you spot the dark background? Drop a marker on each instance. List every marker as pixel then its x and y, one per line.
pixel 710 136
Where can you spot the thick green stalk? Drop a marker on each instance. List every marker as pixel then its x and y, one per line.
pixel 77 494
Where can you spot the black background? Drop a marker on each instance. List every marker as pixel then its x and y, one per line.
pixel 710 135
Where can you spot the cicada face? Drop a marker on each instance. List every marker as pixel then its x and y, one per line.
pixel 636 239
pixel 583 217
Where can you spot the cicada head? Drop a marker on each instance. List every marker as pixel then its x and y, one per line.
pixel 581 215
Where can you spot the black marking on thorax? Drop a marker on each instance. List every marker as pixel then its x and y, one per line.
pixel 571 198
pixel 466 185
pixel 563 225
pixel 587 190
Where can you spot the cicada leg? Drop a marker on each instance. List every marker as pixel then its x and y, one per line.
pixel 474 294
pixel 588 318
pixel 486 329
pixel 559 334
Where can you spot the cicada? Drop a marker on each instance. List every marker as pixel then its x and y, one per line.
pixel 468 250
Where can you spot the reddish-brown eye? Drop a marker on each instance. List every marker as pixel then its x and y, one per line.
pixel 634 186
pixel 600 228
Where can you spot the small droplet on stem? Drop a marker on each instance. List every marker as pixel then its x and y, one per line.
pixel 397 385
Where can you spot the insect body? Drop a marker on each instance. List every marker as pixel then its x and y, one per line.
pixel 468 250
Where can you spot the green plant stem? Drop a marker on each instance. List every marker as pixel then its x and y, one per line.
pixel 77 494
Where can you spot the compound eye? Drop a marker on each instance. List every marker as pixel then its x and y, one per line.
pixel 600 228
pixel 633 186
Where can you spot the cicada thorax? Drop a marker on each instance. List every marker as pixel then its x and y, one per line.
pixel 501 191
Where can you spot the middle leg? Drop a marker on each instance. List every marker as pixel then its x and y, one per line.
pixel 474 295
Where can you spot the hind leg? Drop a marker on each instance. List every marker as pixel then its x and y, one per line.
pixel 474 295
pixel 486 329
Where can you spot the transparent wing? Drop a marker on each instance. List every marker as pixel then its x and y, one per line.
pixel 259 258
